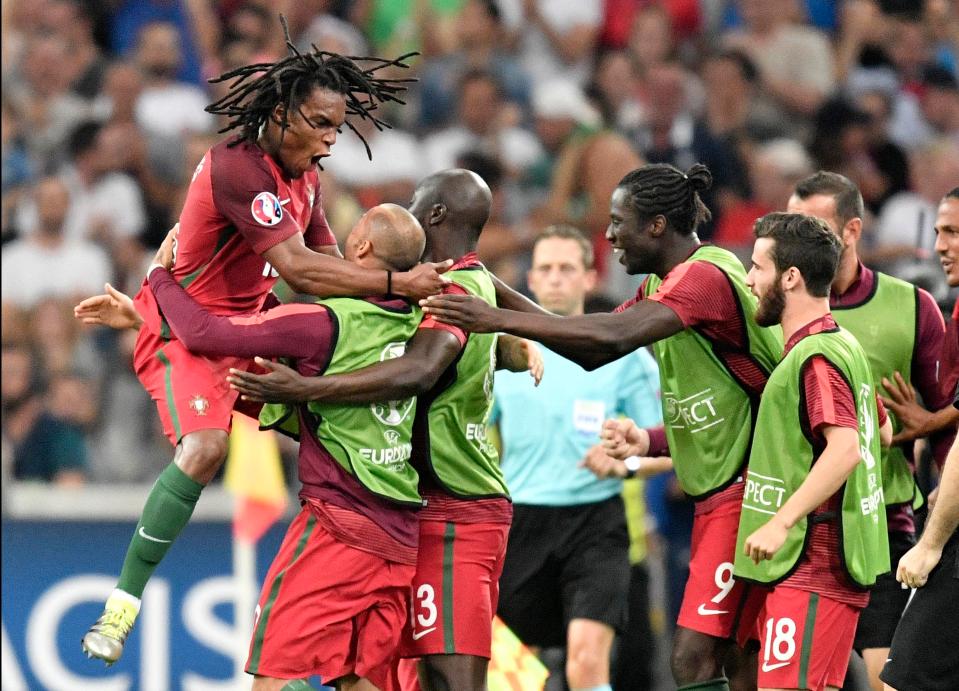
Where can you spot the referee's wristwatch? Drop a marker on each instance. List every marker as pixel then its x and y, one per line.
pixel 633 464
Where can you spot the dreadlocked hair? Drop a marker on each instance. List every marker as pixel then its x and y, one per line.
pixel 259 88
pixel 660 189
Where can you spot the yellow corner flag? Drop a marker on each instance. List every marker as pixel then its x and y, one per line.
pixel 513 667
pixel 254 474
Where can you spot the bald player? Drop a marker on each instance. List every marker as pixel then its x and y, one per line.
pixel 465 523
pixel 349 556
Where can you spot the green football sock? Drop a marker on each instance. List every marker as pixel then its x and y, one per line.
pixel 719 684
pixel 167 511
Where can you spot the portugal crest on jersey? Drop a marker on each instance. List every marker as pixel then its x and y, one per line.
pixel 199 405
pixel 266 209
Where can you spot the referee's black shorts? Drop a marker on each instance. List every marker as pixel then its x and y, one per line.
pixel 564 563
pixel 925 650
pixel 887 599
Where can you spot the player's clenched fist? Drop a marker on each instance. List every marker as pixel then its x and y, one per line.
pixel 622 438
pixel 765 542
pixel 915 565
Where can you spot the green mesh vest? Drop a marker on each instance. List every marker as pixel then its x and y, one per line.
pixel 371 442
pixel 451 434
pixel 886 326
pixel 707 413
pixel 782 456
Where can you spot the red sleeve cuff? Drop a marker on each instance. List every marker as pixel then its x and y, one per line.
pixel 658 444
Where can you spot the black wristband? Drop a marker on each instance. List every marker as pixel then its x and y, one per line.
pixel 389 284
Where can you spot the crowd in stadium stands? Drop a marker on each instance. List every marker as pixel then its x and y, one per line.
pixel 551 101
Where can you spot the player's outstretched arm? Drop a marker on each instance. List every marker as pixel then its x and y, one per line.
pixel 283 331
pixel 510 299
pixel 428 354
pixel 590 340
pixel 323 275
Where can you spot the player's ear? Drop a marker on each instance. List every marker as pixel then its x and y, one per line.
pixel 364 248
pixel 438 214
pixel 279 114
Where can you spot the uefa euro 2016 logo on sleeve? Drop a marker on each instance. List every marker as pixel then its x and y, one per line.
pixel 266 209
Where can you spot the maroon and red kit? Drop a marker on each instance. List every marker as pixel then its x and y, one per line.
pixel 714 603
pixel 239 205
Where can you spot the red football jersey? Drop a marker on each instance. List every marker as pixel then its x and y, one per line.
pixel 239 205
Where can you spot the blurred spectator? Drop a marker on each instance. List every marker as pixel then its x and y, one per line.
pixel 391 176
pixel 326 31
pixel 619 16
pixel 651 39
pixel 167 107
pixel 400 26
pixel 731 83
pixel 583 163
pixel 479 30
pixel 129 446
pixel 615 91
pixel 904 232
pixel 122 86
pixel 942 18
pixel 69 21
pixel 795 62
pixel 671 134
pixel 774 169
pixel 61 343
pixel 842 145
pixel 487 124
pixel 556 37
pixel 890 160
pixel 46 445
pixel 940 100
pixel 504 245
pixel 105 203
pixel 131 17
pixel 18 169
pixel 40 94
pixel 47 263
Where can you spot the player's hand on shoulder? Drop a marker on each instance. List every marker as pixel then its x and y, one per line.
pixel 113 309
pixel 464 311
pixel 915 565
pixel 422 280
pixel 279 384
pixel 166 255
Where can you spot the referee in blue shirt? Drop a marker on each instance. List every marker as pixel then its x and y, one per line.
pixel 566 576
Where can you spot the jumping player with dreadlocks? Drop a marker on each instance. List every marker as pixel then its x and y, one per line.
pixel 253 212
pixel 714 361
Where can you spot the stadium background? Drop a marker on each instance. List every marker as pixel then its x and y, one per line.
pixel 103 124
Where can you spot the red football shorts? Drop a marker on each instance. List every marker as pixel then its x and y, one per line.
pixel 328 609
pixel 806 640
pixel 190 391
pixel 714 602
pixel 456 588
